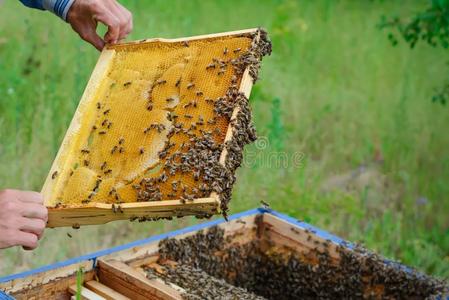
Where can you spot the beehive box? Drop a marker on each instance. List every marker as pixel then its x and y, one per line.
pixel 159 131
pixel 258 254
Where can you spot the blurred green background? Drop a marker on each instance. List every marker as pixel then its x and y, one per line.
pixel 350 139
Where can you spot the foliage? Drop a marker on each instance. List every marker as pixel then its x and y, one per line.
pixel 431 26
pixel 79 282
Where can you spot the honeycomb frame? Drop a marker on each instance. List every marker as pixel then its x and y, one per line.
pixel 100 213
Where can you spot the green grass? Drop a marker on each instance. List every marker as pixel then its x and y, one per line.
pixel 371 149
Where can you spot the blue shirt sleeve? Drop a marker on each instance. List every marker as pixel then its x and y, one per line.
pixel 58 7
pixel 33 4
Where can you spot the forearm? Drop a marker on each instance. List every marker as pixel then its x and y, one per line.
pixel 58 7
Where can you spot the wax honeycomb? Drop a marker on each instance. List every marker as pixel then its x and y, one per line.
pixel 128 122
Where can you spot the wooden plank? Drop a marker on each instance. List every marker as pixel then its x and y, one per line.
pixel 85 293
pixel 104 291
pixel 243 32
pixel 57 288
pixel 245 87
pixel 132 283
pixel 39 279
pixel 100 213
pixel 283 233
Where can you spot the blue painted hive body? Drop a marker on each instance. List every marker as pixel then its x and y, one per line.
pixel 258 254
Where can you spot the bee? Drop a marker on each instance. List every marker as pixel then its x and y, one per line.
pixel 136 187
pixel 107 172
pixel 113 191
pixel 109 125
pixel 76 226
pixel 121 150
pixel 141 150
pixel 293 229
pixel 160 128
pixel 199 93
pixel 178 82
pixel 69 235
pixel 71 173
pixel 210 100
pixel 162 154
pixel 106 112
pixel 187 104
pixel 127 83
pixel 114 210
pixel 97 184
pixel 174 185
pixel 86 201
pixel 54 175
pixel 170 99
pixel 225 51
pixel 121 141
pixel 104 122
pixel 221 72
pixel 98 105
pixel 85 151
pixel 190 85
pixel 94 128
pixel 102 132
pixel 237 50
pixel 86 163
pixel 185 44
pixel 150 107
pixel 161 81
pixel 192 127
pixel 194 103
pixel 264 204
pixel 189 197
pixel 210 66
pixel 188 116
pixel 212 121
pixel 120 209
pixel 103 166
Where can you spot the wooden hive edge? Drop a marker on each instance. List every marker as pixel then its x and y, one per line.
pixel 243 32
pixel 101 213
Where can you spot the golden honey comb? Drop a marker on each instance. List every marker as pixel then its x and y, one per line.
pixel 145 106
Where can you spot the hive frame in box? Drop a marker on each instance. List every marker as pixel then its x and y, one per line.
pixel 100 213
pixel 117 267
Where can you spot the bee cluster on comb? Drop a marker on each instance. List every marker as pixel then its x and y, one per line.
pixel 260 269
pixel 169 122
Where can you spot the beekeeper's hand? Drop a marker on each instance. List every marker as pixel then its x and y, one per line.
pixel 23 217
pixel 84 15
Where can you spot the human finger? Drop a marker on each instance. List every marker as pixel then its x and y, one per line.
pixel 34 211
pixel 30 197
pixel 36 226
